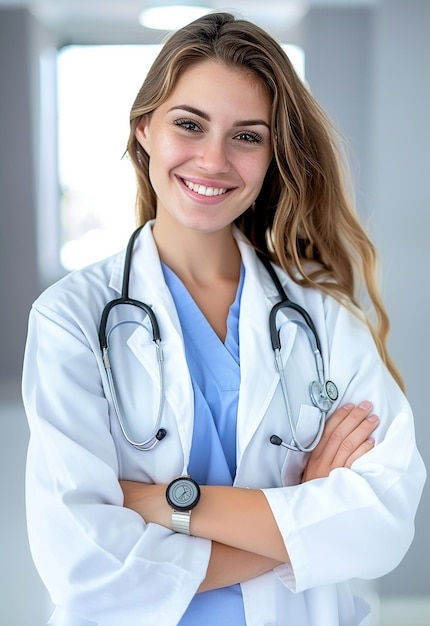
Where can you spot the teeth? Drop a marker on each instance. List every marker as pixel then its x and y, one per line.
pixel 205 191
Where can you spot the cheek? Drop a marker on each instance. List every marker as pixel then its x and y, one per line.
pixel 169 152
pixel 166 157
pixel 255 170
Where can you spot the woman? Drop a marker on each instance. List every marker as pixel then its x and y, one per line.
pixel 222 496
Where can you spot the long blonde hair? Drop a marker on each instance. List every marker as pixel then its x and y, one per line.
pixel 303 218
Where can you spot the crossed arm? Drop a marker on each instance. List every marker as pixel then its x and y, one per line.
pixel 246 541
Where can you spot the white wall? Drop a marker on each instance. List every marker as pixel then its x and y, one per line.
pixel 400 192
pixel 23 600
pixel 18 114
pixel 370 69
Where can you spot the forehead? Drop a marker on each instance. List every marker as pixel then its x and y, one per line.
pixel 217 84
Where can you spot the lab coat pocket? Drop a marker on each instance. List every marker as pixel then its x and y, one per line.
pixel 308 424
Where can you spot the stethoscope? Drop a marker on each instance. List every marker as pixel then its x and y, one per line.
pixel 322 392
pixel 157 433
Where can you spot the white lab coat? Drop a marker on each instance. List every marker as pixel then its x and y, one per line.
pixel 100 562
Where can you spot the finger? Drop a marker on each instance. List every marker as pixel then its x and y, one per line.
pixel 338 416
pixel 343 421
pixel 365 447
pixel 352 418
pixel 331 424
pixel 356 438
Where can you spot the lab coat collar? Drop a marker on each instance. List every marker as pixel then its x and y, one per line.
pixel 146 266
pixel 145 269
pixel 255 269
pixel 258 297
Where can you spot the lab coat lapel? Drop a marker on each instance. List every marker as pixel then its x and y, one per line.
pixel 259 377
pixel 147 285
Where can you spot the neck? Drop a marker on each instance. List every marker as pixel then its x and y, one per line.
pixel 207 263
pixel 199 258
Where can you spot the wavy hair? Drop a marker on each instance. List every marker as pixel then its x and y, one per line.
pixel 303 218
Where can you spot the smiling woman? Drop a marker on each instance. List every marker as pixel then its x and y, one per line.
pixel 238 489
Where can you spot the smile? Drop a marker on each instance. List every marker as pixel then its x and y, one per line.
pixel 202 190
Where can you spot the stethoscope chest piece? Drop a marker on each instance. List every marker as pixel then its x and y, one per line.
pixel 323 394
pixel 331 390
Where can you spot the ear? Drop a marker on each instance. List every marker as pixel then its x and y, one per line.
pixel 142 134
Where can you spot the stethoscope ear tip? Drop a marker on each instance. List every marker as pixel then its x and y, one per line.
pixel 275 440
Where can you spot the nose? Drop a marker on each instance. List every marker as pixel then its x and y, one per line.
pixel 213 156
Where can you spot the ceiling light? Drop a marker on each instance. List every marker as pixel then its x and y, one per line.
pixel 171 17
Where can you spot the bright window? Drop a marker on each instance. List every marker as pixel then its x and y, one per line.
pixel 96 89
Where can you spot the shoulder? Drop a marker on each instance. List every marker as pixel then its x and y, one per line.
pixel 83 291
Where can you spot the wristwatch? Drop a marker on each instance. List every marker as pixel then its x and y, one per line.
pixel 182 494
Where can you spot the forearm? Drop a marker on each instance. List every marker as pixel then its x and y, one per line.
pixel 229 566
pixel 240 518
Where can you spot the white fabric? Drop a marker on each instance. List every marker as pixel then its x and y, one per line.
pixel 100 562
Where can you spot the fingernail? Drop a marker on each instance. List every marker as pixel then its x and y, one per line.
pixel 348 406
pixel 365 405
pixel 373 418
pixel 371 441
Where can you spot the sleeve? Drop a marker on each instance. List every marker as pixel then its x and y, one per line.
pixel 358 522
pixel 99 560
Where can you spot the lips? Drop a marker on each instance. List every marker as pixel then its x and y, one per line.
pixel 202 190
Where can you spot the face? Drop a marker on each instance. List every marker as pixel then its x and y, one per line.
pixel 209 147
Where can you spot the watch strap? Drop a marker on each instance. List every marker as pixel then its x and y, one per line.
pixel 181 522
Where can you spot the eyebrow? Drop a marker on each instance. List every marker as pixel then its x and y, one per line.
pixel 205 116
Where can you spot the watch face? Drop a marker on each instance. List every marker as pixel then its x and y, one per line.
pixel 183 494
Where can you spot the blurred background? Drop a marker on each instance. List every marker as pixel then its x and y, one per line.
pixel 69 71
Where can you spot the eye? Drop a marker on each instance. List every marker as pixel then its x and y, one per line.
pixel 248 136
pixel 188 125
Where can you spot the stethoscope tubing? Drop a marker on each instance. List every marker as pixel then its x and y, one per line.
pixel 157 433
pixel 317 389
pixel 156 336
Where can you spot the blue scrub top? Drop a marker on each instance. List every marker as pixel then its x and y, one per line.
pixel 215 374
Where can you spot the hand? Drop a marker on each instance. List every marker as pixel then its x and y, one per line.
pixel 346 438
